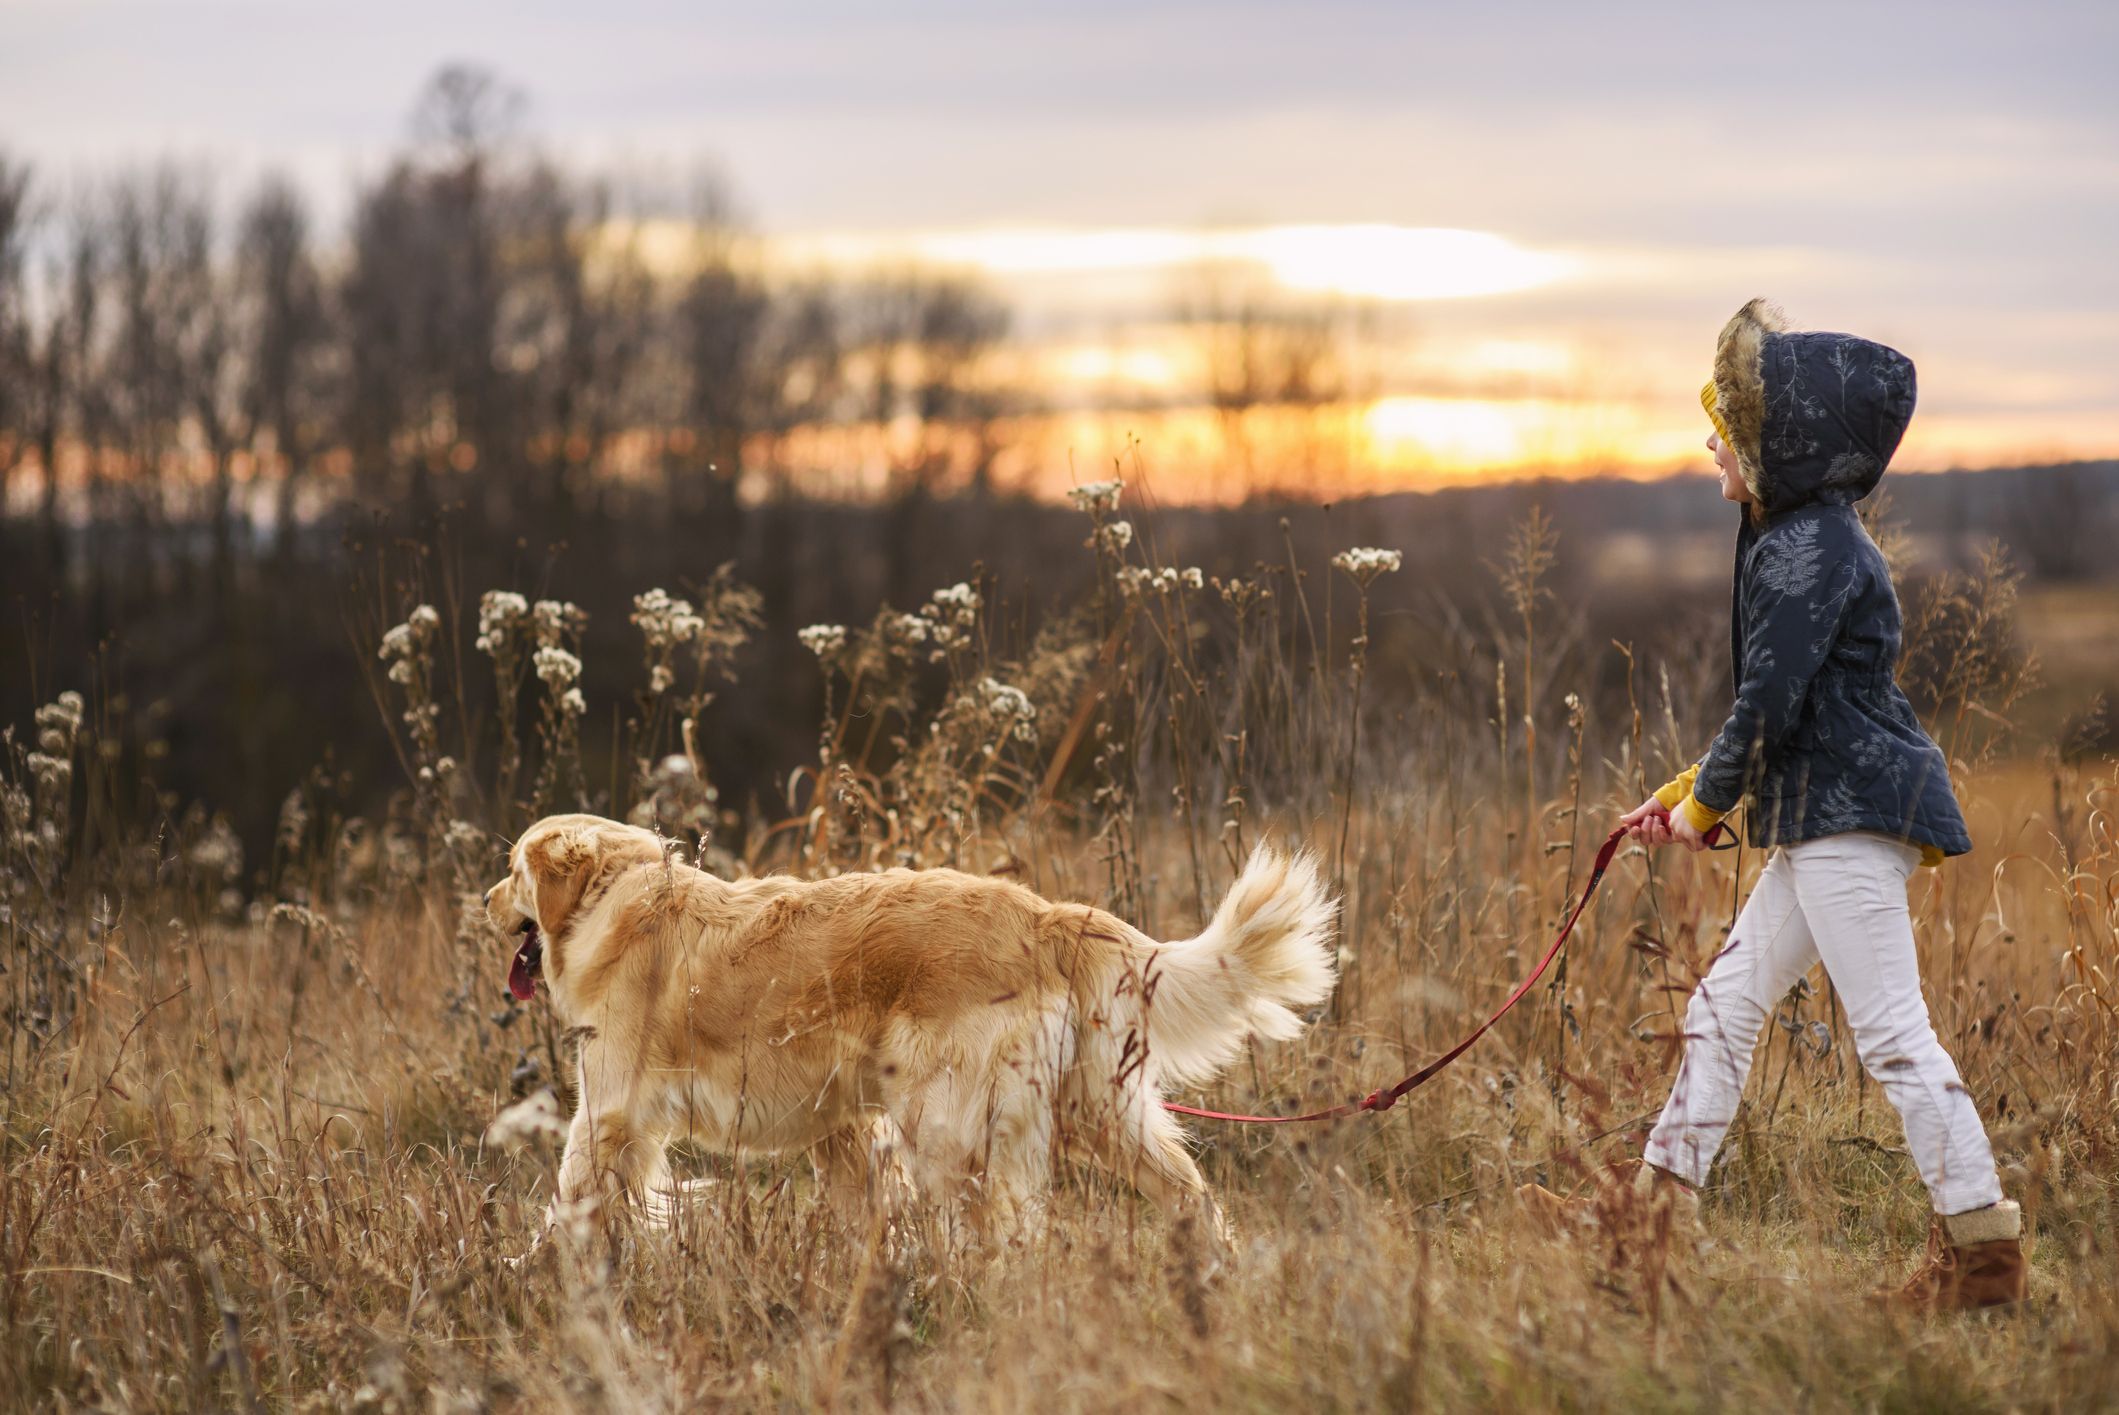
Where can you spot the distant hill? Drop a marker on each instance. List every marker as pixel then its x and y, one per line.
pixel 2059 522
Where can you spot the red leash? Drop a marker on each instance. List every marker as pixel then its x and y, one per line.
pixel 1385 1099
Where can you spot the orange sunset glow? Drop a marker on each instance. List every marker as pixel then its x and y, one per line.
pixel 1455 355
pixel 1371 253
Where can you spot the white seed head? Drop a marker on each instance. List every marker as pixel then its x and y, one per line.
pixel 1096 496
pixel 823 640
pixel 1365 563
pixel 556 667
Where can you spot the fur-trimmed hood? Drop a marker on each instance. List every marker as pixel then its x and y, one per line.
pixel 1812 417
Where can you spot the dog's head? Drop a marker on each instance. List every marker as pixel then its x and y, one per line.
pixel 557 865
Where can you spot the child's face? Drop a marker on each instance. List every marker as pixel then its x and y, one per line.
pixel 1733 488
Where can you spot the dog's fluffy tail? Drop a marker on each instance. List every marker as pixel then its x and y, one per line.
pixel 1266 953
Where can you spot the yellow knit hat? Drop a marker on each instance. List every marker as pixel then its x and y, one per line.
pixel 1714 412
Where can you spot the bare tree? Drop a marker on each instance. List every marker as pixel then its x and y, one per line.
pixel 465 113
pixel 799 374
pixel 17 352
pixel 1259 350
pixel 167 345
pixel 493 313
pixel 758 361
pixel 958 404
pixel 576 323
pixel 423 295
pixel 923 341
pixel 62 393
pixel 286 344
pixel 719 321
pixel 202 326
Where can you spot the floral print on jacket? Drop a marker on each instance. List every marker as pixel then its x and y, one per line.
pixel 1821 740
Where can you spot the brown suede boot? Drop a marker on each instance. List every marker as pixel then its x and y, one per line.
pixel 1974 1260
pixel 1553 1214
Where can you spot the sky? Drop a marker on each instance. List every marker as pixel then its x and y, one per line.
pixel 1554 205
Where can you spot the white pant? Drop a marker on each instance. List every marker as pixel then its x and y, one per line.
pixel 1843 899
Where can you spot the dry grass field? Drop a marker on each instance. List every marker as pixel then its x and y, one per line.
pixel 247 1160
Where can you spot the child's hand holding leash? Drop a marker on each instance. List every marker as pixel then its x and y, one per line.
pixel 1652 823
pixel 1648 823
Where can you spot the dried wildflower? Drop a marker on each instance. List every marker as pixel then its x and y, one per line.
pixel 553 619
pixel 557 668
pixel 293 826
pixel 823 640
pixel 1136 580
pixel 51 773
pixel 729 613
pixel 405 646
pixel 665 621
pixel 501 616
pixel 1012 706
pixel 62 716
pixel 675 635
pixel 674 797
pixel 951 614
pixel 1243 595
pixel 572 703
pixel 1366 563
pixel 1097 496
pixel 1115 537
pixel 217 852
pixel 533 1120
pixel 960 597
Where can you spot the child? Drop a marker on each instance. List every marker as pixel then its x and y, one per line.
pixel 1840 781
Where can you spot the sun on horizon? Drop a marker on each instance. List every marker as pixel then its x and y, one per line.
pixel 1454 354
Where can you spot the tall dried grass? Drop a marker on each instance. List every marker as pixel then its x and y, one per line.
pixel 247 1155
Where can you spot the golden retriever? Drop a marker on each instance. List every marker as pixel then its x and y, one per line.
pixel 977 1027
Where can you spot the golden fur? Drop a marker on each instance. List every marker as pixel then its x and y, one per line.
pixel 966 1024
pixel 1740 388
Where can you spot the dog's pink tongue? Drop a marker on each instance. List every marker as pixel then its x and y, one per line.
pixel 519 980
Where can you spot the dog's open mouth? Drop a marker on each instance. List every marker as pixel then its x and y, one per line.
pixel 522 973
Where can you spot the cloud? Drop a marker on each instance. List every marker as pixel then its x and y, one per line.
pixel 1941 174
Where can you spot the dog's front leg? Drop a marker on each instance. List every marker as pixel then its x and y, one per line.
pixel 609 1157
pixel 861 1175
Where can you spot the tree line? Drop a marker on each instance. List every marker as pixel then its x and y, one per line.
pixel 486 310
pixel 167 358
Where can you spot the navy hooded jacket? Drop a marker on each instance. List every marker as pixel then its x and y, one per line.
pixel 1821 740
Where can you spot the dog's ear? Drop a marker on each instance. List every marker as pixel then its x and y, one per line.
pixel 560 862
pixel 567 856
